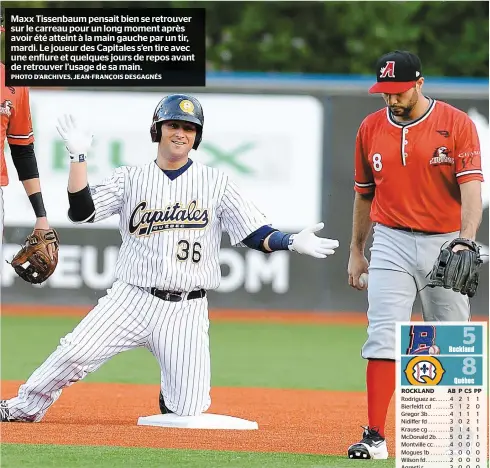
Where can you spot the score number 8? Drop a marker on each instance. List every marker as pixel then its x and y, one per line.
pixel 469 366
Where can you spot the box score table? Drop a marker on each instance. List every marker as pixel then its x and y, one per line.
pixel 442 395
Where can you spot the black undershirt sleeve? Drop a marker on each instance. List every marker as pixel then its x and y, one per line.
pixel 24 160
pixel 82 208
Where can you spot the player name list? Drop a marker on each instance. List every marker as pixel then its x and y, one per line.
pixel 441 407
pixel 443 426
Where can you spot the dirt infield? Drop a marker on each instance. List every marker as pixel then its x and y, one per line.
pixel 291 421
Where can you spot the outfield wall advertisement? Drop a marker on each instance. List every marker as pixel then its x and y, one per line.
pixel 275 162
pixel 299 171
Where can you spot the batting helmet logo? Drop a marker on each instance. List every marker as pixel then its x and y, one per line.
pixel 178 107
pixel 187 106
pixel 388 71
pixel 424 370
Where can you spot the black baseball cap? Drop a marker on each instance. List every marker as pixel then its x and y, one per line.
pixel 396 72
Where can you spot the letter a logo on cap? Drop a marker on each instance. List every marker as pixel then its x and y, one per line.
pixel 388 71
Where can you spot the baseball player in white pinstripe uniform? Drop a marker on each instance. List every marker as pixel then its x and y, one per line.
pixel 172 213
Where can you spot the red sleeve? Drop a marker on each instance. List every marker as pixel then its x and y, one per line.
pixel 19 131
pixel 468 156
pixel 363 175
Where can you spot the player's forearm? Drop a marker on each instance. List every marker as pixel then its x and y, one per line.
pixel 361 221
pixel 82 207
pixel 32 188
pixel 471 208
pixel 77 179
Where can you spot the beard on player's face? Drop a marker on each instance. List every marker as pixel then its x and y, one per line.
pixel 177 138
pixel 401 105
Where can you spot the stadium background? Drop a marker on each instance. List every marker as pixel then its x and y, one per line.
pixel 286 91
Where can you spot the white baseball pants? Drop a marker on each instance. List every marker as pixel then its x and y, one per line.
pixel 399 269
pixel 176 333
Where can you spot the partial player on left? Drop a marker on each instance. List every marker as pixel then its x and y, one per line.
pixel 16 127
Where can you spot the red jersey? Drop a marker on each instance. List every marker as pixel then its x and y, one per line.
pixel 15 117
pixel 415 169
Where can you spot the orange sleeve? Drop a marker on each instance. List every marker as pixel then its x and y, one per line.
pixel 468 156
pixel 363 175
pixel 19 130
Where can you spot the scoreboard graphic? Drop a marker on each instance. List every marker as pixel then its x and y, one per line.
pixel 442 395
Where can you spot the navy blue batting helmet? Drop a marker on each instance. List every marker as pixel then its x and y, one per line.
pixel 177 107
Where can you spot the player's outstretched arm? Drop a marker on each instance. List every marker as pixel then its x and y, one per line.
pixel 305 242
pixel 77 141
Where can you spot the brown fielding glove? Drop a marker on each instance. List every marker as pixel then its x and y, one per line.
pixel 33 263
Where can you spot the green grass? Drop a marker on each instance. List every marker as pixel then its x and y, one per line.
pixel 242 354
pixel 43 456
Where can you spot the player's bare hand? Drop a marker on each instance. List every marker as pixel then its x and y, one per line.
pixel 307 243
pixel 358 265
pixel 459 247
pixel 77 139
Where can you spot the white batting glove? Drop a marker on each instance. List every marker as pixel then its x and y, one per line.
pixel 77 140
pixel 305 242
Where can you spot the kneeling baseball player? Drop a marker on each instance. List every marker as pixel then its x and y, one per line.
pixel 172 212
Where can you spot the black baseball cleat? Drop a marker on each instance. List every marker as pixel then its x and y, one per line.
pixel 372 446
pixel 163 408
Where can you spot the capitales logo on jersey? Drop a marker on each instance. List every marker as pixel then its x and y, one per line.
pixel 441 157
pixel 144 222
pixel 424 370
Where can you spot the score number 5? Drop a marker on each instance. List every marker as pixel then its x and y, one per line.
pixel 469 335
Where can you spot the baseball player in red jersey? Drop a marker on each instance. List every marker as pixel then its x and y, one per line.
pixel 418 179
pixel 16 126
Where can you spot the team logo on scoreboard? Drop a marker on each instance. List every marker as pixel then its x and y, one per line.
pixel 423 340
pixel 424 370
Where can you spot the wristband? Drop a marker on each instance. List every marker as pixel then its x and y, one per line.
pixel 280 241
pixel 77 158
pixel 37 203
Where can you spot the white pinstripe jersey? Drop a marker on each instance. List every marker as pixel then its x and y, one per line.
pixel 171 229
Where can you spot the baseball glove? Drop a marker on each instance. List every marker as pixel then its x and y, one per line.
pixel 459 270
pixel 33 262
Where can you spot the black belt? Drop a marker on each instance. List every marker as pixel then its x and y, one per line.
pixel 175 296
pixel 406 229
